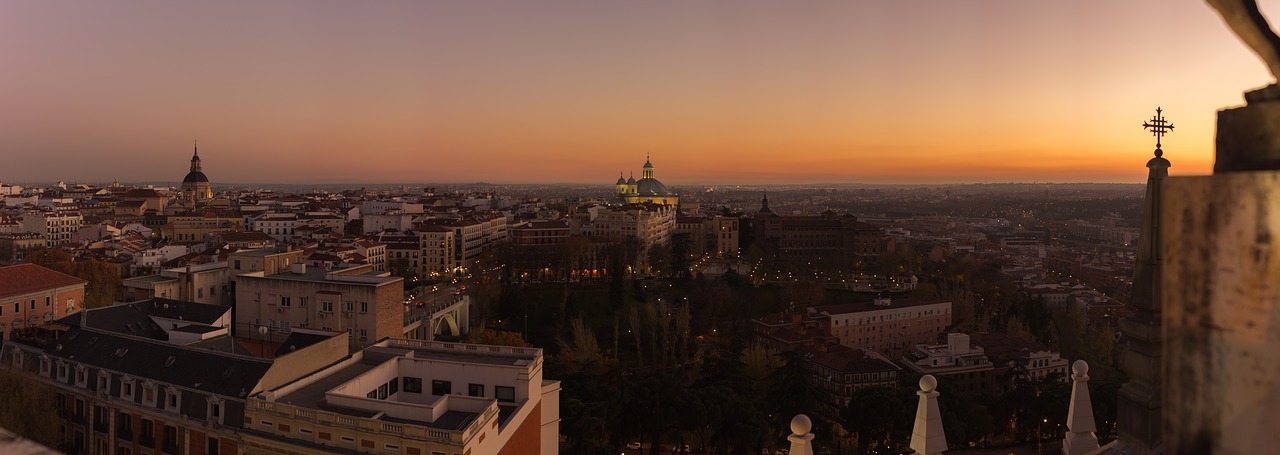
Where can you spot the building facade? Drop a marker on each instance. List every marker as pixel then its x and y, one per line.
pixel 365 304
pixel 31 295
pixel 413 397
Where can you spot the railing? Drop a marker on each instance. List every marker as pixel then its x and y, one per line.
pixel 532 352
pixel 359 423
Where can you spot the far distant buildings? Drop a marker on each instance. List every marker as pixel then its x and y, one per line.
pixel 831 238
pixel 890 327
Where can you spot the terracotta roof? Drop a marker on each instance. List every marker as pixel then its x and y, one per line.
pixel 26 278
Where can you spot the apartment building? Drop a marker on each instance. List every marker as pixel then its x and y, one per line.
pixel 57 227
pixel 123 394
pixel 31 295
pixel 366 304
pixel 413 397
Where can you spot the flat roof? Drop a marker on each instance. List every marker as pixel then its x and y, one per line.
pixel 846 308
pixel 313 396
pixel 151 279
pixel 317 274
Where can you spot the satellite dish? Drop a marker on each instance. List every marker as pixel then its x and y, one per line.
pixel 262 330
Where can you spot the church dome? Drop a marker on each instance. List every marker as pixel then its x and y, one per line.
pixel 651 187
pixel 621 181
pixel 195 177
pixel 631 181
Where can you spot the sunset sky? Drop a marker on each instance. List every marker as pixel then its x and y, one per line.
pixel 529 91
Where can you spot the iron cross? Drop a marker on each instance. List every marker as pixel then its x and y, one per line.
pixel 1159 127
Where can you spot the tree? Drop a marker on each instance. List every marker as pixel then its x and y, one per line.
pixel 792 391
pixel 581 347
pixel 103 281
pixel 400 267
pixel 880 415
pixel 485 335
pixel 760 361
pixel 26 407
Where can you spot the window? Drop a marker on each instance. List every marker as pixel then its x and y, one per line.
pixel 124 426
pixel 237 264
pixel 200 293
pixel 214 446
pixel 149 394
pixel 350 305
pixel 382 392
pixel 326 306
pixel 475 390
pixel 393 386
pixel 364 307
pixel 102 380
pixel 44 366
pixel 412 385
pixel 148 431
pixel 285 302
pixel 215 410
pixel 364 334
pixel 48 301
pixel 505 394
pixel 82 377
pixel 126 388
pixel 170 439
pixel 302 302
pixel 441 388
pixel 171 399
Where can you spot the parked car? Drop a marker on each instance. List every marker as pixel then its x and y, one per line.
pixel 633 445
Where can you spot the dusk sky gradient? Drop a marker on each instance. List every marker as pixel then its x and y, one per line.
pixel 528 91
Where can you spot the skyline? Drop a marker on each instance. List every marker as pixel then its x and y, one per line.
pixel 574 92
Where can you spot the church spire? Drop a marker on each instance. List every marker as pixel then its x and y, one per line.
pixel 195 157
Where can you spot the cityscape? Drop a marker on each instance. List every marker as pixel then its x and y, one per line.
pixel 308 228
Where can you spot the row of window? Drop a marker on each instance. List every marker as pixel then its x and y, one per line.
pixel 440 388
pixel 151 392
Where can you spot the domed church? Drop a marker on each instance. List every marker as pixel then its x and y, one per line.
pixel 647 189
pixel 195 187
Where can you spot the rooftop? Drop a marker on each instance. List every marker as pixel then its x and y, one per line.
pixel 26 278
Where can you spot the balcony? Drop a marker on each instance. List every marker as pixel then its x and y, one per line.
pixel 101 427
pixel 148 441
pixel 124 433
pixel 170 448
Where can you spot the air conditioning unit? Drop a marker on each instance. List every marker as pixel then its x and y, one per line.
pixel 346 313
pixel 324 315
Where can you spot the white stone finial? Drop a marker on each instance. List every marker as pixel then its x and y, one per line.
pixel 801 439
pixel 1080 437
pixel 928 437
pixel 928 383
pixel 1080 368
pixel 800 425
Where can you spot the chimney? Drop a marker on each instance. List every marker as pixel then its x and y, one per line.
pixel 958 342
